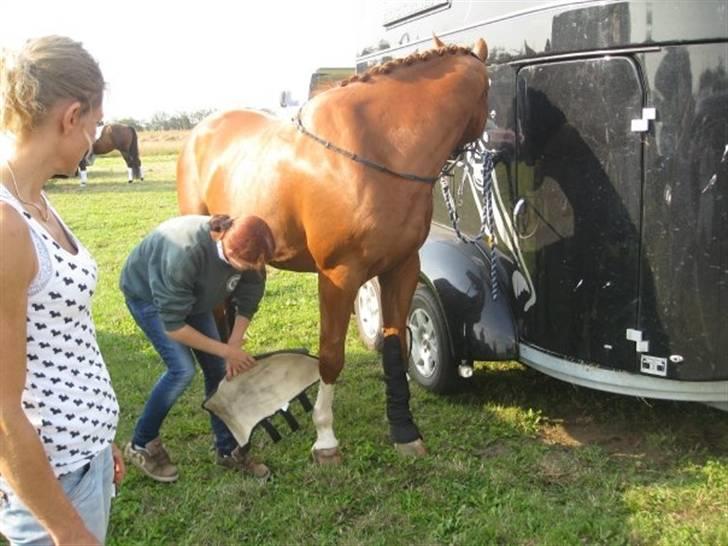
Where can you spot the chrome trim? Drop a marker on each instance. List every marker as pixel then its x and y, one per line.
pixel 512 15
pixel 590 53
pixel 714 393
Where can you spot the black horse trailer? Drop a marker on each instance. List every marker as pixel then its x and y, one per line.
pixel 607 260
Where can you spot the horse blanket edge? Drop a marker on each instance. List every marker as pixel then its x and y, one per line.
pixel 250 398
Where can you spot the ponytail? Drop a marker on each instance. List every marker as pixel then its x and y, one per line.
pixel 43 72
pixel 220 223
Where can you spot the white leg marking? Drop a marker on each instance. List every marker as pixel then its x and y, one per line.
pixel 323 418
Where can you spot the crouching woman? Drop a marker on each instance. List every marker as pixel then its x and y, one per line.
pixel 172 281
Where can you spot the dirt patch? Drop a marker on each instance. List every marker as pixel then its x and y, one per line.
pixel 617 440
pixel 493 450
pixel 558 466
pixel 654 441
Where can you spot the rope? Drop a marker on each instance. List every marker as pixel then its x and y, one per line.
pixel 477 153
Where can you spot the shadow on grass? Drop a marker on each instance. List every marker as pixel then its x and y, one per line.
pixel 623 426
pixel 572 417
pixel 111 187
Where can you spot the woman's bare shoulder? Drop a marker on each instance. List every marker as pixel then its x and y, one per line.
pixel 16 246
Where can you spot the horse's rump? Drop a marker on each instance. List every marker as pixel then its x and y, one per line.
pixel 246 162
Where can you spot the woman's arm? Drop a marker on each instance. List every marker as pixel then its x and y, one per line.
pixel 23 461
pixel 236 359
pixel 191 337
pixel 239 328
pixel 236 340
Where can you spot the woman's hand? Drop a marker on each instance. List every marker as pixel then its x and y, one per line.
pixel 237 361
pixel 119 467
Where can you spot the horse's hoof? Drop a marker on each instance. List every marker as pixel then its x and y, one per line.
pixel 412 449
pixel 329 456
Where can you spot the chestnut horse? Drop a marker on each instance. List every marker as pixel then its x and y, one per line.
pixel 347 192
pixel 116 136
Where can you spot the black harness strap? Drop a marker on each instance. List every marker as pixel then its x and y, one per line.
pixel 271 430
pixel 354 157
pixel 290 419
pixel 305 402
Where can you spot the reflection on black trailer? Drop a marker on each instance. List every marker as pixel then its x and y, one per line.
pixel 609 124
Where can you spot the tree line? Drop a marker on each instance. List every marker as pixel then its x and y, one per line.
pixel 163 121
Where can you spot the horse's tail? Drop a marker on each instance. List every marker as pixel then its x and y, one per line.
pixel 134 157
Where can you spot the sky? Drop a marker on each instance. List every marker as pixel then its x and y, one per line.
pixel 175 56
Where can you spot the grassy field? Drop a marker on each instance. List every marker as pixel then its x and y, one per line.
pixel 161 142
pixel 519 458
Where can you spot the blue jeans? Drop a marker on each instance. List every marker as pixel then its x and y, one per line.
pixel 89 489
pixel 180 362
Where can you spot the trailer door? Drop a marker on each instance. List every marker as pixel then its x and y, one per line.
pixel 577 213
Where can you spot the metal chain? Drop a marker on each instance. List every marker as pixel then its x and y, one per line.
pixel 470 155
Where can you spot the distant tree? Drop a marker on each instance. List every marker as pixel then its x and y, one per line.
pixel 158 122
pixel 131 122
pixel 198 115
pixel 163 121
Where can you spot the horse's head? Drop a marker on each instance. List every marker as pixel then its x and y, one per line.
pixel 478 97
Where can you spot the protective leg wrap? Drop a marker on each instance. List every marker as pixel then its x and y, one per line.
pixel 250 398
pixel 401 425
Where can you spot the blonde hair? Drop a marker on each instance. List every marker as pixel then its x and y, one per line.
pixel 44 71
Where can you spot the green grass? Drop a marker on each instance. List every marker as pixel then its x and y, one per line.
pixel 519 458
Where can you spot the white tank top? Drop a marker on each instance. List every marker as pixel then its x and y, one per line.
pixel 68 396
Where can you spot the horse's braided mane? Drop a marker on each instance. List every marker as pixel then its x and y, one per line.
pixel 389 66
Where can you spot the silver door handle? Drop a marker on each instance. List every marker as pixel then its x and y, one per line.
pixel 520 225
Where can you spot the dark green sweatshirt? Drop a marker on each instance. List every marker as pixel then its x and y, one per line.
pixel 177 267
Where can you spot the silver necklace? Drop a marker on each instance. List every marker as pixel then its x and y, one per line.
pixel 43 211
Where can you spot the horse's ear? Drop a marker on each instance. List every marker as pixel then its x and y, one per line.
pixel 481 49
pixel 438 42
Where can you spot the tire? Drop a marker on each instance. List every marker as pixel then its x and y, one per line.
pixel 431 363
pixel 368 310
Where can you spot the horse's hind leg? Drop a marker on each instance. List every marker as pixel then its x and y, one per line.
pixel 397 287
pixel 337 289
pixel 129 169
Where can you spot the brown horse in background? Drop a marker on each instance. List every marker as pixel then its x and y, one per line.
pixel 116 136
pixel 347 218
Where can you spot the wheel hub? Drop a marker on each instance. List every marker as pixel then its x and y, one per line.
pixel 424 343
pixel 368 310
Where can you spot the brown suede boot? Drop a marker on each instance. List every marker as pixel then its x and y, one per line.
pixel 153 460
pixel 242 461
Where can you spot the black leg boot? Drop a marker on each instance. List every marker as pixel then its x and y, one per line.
pixel 402 427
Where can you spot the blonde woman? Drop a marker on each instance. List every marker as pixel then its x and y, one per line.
pixel 58 411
